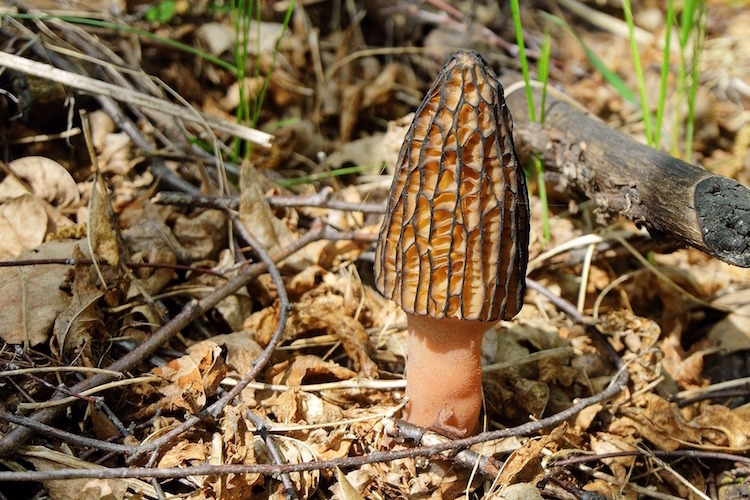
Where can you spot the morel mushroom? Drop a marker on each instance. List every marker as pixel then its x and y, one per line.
pixel 453 247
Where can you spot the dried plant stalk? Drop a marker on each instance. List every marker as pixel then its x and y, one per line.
pixel 457 221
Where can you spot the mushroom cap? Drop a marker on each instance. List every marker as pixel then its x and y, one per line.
pixel 454 241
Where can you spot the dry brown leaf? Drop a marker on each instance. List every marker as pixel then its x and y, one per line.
pixel 47 459
pixel 116 156
pixel 294 406
pixel 47 179
pixel 239 448
pixel 184 453
pixel 602 443
pixel 242 350
pixel 211 361
pixel 726 427
pixel 524 465
pixel 732 333
pixel 531 395
pixel 216 38
pixel 23 224
pixel 31 298
pixel 145 227
pixel 686 369
pixel 324 312
pixel 344 489
pixel 322 309
pixel 203 234
pixel 586 417
pixel 376 148
pixel 659 421
pixel 294 451
pixel 331 444
pixel 80 489
pixel 101 125
pixel 12 188
pixel 256 214
pixel 307 369
pixel 304 281
pixel 102 226
pixel 101 422
pixel 77 324
pixel 517 491
pixel 609 490
pixel 236 307
pixel 191 378
pixel 151 280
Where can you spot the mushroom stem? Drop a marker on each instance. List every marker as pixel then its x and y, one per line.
pixel 444 373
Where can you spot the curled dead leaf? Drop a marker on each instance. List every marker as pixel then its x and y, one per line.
pixel 79 323
pixel 294 451
pixel 23 224
pixel 525 464
pixel 191 378
pixel 102 226
pixel 47 179
pixel 31 298
pixel 294 406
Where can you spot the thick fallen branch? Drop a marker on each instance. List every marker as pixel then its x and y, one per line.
pixel 668 196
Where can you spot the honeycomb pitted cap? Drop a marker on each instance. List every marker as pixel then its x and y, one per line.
pixel 454 241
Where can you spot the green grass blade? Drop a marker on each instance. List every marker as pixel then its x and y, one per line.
pixel 664 74
pixel 267 81
pixel 638 72
pixel 610 76
pixel 522 55
pixel 698 40
pixel 687 21
pixel 127 29
pixel 543 71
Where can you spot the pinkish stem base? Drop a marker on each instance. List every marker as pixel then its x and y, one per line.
pixel 444 374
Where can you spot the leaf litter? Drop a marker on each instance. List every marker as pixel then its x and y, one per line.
pixel 678 324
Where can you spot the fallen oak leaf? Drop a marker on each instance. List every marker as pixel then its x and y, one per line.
pixel 190 379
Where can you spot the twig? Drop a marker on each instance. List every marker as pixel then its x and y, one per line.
pixel 261 425
pixel 58 400
pixel 100 88
pixel 320 199
pixel 158 166
pixel 697 454
pixel 488 466
pixel 131 265
pixel 67 437
pixel 56 369
pixel 192 310
pixel 362 236
pixel 617 385
pixel 213 410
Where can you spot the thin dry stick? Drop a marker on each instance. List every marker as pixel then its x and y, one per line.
pixel 262 427
pixel 67 437
pixel 615 387
pixel 261 424
pixel 192 310
pixel 697 454
pixel 138 99
pixel 320 199
pixel 260 363
pixel 469 459
pixel 131 265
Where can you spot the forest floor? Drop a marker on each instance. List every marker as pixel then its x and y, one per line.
pixel 203 251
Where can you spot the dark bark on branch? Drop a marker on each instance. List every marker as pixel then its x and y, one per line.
pixel 668 196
